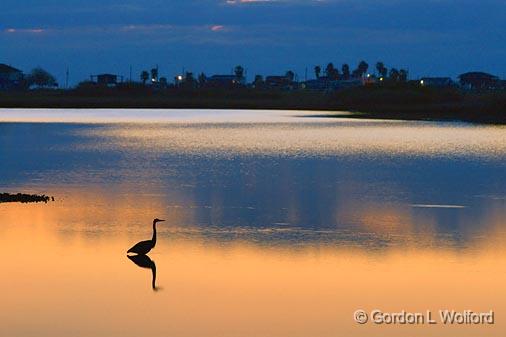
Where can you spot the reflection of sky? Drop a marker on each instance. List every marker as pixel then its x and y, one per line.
pixel 275 193
pixel 266 235
pixel 428 37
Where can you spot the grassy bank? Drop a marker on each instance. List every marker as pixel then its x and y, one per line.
pixel 410 103
pixel 24 198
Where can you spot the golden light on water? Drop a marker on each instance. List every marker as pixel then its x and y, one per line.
pixel 329 138
pixel 230 289
pixel 225 132
pixel 276 225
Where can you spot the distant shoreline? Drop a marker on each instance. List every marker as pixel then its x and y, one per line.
pixel 370 103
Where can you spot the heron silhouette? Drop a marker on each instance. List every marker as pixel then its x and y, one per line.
pixel 143 247
pixel 144 261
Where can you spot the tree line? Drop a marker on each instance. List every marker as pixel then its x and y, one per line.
pixel 40 78
pixel 382 72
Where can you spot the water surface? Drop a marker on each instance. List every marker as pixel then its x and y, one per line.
pixel 277 224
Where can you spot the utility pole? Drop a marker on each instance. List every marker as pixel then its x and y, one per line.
pixel 67 78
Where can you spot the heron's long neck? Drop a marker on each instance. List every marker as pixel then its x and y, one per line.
pixel 154 233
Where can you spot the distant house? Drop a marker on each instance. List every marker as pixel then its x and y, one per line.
pixel 324 83
pixel 478 80
pixel 436 82
pixel 10 78
pixel 108 80
pixel 222 81
pixel 280 82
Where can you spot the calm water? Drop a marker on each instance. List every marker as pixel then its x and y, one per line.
pixel 278 223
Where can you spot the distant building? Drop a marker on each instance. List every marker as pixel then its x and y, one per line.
pixel 10 78
pixel 324 83
pixel 436 82
pixel 108 80
pixel 478 80
pixel 223 81
pixel 280 82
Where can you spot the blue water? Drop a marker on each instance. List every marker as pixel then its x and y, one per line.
pixel 282 192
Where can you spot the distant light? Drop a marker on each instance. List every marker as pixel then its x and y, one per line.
pixel 368 75
pixel 179 78
pixel 421 82
pixel 381 78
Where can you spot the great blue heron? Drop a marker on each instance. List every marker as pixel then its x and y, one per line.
pixel 143 247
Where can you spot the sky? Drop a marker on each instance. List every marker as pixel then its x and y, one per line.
pixel 427 37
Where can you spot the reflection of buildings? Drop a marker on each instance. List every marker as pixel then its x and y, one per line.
pixel 10 77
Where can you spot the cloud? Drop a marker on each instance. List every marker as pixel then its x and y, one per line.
pixel 238 2
pixel 217 28
pixel 294 2
pixel 24 30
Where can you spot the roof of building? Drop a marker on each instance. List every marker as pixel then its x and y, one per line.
pixel 478 75
pixel 223 77
pixel 436 78
pixel 276 77
pixel 4 68
pixel 111 75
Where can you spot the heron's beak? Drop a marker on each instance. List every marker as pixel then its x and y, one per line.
pixel 161 220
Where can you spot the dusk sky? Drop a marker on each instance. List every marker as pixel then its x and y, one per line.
pixel 429 37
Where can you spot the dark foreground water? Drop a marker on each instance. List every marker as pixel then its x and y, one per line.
pixel 277 224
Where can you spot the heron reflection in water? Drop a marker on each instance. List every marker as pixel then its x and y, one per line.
pixel 144 261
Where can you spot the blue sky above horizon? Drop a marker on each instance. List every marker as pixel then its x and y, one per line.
pixel 431 37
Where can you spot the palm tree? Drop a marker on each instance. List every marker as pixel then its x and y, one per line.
pixel 239 72
pixel 317 71
pixel 41 78
pixel 330 70
pixel 382 70
pixel 202 79
pixel 394 75
pixel 403 75
pixel 144 76
pixel 154 74
pixel 290 75
pixel 346 71
pixel 362 68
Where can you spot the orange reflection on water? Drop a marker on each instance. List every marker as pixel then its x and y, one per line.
pixel 63 274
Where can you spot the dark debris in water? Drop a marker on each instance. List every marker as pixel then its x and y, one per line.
pixel 24 198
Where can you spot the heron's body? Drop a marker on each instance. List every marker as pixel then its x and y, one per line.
pixel 143 247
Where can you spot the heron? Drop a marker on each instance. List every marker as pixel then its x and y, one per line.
pixel 143 247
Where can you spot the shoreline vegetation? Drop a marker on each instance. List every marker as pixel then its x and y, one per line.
pixel 401 102
pixel 24 198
